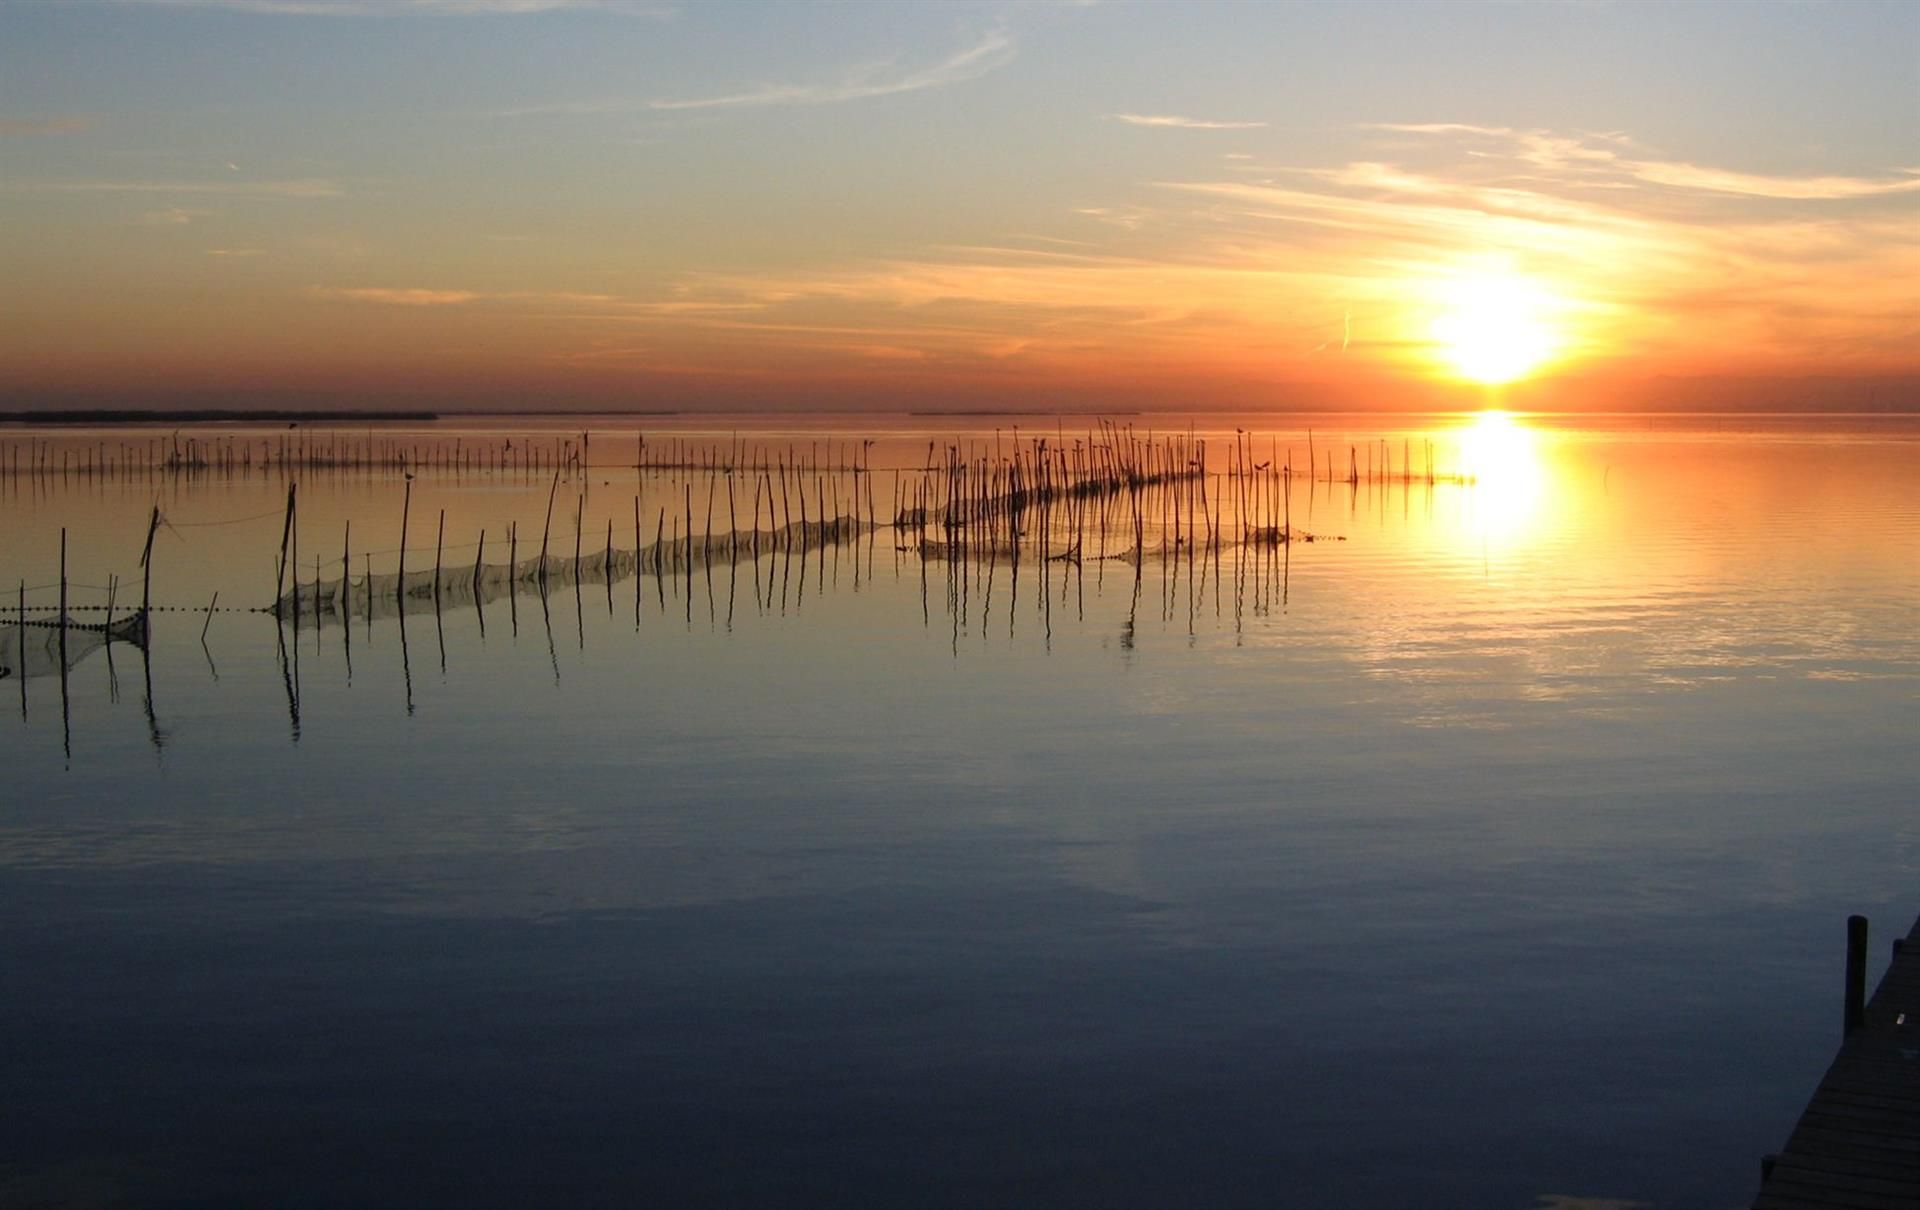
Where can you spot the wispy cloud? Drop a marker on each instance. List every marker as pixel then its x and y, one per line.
pixel 420 296
pixel 172 216
pixel 991 52
pixel 1176 122
pixel 1438 128
pixel 63 124
pixel 1642 260
pixel 1666 265
pixel 392 297
pixel 236 251
pixel 1602 153
pixel 303 188
pixel 401 8
pixel 1785 188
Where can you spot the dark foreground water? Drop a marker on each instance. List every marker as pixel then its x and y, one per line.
pixel 1494 856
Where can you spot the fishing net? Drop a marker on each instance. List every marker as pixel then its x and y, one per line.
pixel 380 595
pixel 34 649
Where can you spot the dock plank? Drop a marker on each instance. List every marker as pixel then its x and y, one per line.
pixel 1857 1143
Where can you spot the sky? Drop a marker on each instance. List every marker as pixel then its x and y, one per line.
pixel 549 204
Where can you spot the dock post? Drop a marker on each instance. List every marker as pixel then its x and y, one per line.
pixel 146 567
pixel 1856 1010
pixel 400 582
pixel 280 570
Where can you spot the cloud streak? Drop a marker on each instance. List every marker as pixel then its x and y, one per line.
pixel 31 127
pixel 1556 152
pixel 1175 122
pixel 422 296
pixel 1784 188
pixel 407 8
pixel 1670 266
pixel 1439 128
pixel 993 51
pixel 394 297
pixel 304 188
pixel 173 216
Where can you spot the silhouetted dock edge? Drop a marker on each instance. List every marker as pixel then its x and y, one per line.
pixel 1857 1144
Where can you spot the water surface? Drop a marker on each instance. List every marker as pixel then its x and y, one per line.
pixel 1493 847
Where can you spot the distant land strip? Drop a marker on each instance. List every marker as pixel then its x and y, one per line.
pixel 203 416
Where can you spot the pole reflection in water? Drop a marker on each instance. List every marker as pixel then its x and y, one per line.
pixel 807 549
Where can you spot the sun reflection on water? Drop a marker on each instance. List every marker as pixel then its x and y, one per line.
pixel 1504 459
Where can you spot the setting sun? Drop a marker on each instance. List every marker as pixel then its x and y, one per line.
pixel 1494 327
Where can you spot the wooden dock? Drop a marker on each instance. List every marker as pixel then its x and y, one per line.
pixel 1858 1142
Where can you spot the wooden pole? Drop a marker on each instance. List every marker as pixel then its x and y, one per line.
pixel 293 563
pixel 280 572
pixel 406 507
pixel 733 520
pixel 66 716
pixel 548 526
pixel 146 565
pixel 1856 990
pixel 706 547
pixel 20 625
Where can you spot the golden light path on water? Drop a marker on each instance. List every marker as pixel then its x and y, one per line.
pixel 1511 497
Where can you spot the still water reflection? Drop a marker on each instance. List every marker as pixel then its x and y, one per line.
pixel 1492 847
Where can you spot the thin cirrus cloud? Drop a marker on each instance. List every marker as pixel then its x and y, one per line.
pixel 1439 128
pixel 27 127
pixel 1688 266
pixel 399 8
pixel 418 296
pixel 1170 121
pixel 1279 267
pixel 990 53
pixel 1785 188
pixel 1544 149
pixel 392 297
pixel 301 188
pixel 993 51
pixel 172 216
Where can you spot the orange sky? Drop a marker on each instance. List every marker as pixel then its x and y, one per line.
pixel 910 216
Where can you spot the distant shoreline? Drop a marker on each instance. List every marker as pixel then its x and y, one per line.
pixel 184 417
pixel 204 416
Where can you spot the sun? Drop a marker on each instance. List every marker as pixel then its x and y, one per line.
pixel 1494 327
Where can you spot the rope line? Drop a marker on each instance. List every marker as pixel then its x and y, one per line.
pixel 55 585
pixel 235 521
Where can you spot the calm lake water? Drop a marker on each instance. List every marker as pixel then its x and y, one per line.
pixel 1492 850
